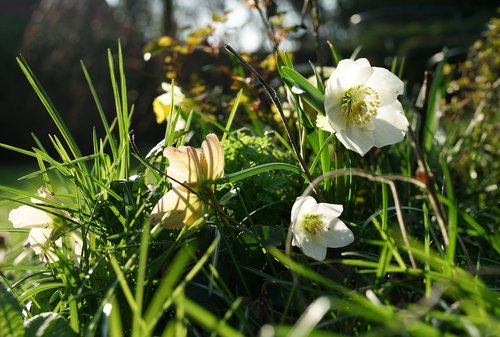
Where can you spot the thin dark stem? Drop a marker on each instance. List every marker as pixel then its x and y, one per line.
pixel 276 101
pixel 269 27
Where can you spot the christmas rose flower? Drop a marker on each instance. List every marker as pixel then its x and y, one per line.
pixel 362 108
pixel 315 227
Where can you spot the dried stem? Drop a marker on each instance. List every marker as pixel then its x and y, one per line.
pixel 431 193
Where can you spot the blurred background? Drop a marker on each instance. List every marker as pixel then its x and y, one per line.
pixel 54 35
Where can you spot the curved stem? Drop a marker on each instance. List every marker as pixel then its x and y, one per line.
pixel 276 101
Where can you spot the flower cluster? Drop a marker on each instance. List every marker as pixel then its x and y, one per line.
pixel 190 171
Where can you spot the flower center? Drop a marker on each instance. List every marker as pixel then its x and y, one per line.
pixel 312 223
pixel 359 104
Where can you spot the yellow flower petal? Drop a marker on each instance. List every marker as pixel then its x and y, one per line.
pixel 179 208
pixel 161 110
pixel 187 165
pixel 214 156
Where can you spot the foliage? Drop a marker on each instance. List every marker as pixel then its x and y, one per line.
pixel 269 194
pixel 472 108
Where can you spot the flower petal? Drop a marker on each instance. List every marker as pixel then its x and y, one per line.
pixel 300 206
pixel 178 208
pixel 323 123
pixel 214 156
pixel 331 210
pixel 391 125
pixel 161 107
pixel 333 106
pixel 75 240
pixel 30 217
pixel 39 239
pixel 351 73
pixel 186 165
pixel 337 234
pixel 388 85
pixel 314 249
pixel 357 139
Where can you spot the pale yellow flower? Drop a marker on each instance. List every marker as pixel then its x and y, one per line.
pixel 178 208
pixel 162 105
pixel 195 167
pixel 190 170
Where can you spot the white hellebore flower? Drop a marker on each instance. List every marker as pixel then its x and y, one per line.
pixel 316 227
pixel 362 108
pixel 43 226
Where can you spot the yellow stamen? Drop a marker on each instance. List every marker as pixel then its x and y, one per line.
pixel 312 223
pixel 359 104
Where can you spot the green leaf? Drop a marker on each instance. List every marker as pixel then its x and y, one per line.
pixel 335 54
pixel 11 320
pixel 48 324
pixel 433 105
pixel 260 169
pixel 207 320
pixel 311 95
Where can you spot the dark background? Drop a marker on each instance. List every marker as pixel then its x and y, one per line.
pixel 54 35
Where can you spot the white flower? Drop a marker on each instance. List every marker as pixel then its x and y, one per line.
pixel 362 108
pixel 46 227
pixel 316 227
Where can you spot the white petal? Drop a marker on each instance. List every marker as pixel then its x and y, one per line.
pixel 323 123
pixel 351 73
pixel 337 235
pixel 356 138
pixel 314 249
pixel 39 239
pixel 331 210
pixel 302 205
pixel 333 106
pixel 76 242
pixel 391 125
pixel 388 85
pixel 299 236
pixel 29 217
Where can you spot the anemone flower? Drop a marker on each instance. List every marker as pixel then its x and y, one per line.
pixel 191 172
pixel 49 226
pixel 315 227
pixel 362 108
